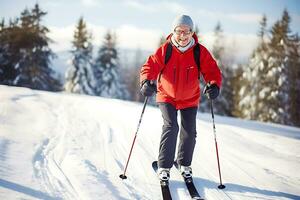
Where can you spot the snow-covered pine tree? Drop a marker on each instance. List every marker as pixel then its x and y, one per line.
pixel 79 76
pixel 276 102
pixel 272 90
pixel 108 79
pixel 30 52
pixel 255 88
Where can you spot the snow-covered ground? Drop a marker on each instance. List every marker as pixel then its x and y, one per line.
pixel 64 146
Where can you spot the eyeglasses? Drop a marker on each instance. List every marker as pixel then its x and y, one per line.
pixel 179 32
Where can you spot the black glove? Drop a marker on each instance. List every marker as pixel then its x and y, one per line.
pixel 211 91
pixel 147 88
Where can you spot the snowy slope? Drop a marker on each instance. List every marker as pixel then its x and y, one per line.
pixel 64 146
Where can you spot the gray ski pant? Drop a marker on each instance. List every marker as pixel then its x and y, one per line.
pixel 187 137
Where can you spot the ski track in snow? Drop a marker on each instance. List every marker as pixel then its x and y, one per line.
pixel 79 147
pixel 68 147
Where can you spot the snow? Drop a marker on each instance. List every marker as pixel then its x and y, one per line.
pixel 67 146
pixel 263 92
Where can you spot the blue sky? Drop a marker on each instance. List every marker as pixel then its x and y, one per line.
pixel 141 23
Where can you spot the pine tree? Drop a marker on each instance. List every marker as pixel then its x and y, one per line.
pixel 25 54
pixel 283 73
pixel 276 80
pixel 272 76
pixel 8 54
pixel 34 52
pixel 254 90
pixel 79 76
pixel 109 81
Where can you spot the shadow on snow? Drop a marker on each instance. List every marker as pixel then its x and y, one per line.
pixel 26 190
pixel 201 183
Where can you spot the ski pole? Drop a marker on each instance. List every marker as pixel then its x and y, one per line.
pixel 123 176
pixel 221 186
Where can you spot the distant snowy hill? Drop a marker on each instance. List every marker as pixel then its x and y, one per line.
pixel 66 146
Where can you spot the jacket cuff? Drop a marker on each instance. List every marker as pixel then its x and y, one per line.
pixel 214 82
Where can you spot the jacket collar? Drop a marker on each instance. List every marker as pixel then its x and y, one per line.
pixel 180 48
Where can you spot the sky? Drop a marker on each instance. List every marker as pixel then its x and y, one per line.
pixel 140 24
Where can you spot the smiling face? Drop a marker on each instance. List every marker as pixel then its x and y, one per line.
pixel 183 35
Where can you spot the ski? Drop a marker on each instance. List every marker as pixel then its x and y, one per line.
pixel 190 186
pixel 165 190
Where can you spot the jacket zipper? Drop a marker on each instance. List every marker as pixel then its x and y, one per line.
pixel 187 74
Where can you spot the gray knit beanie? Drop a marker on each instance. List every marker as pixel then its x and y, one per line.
pixel 183 20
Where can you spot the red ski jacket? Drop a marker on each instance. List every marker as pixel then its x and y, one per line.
pixel 178 83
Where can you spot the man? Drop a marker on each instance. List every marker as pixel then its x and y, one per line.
pixel 177 79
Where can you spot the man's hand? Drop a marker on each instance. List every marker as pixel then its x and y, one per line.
pixel 211 91
pixel 147 88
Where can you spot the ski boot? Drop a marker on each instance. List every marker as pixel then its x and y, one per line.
pixel 163 175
